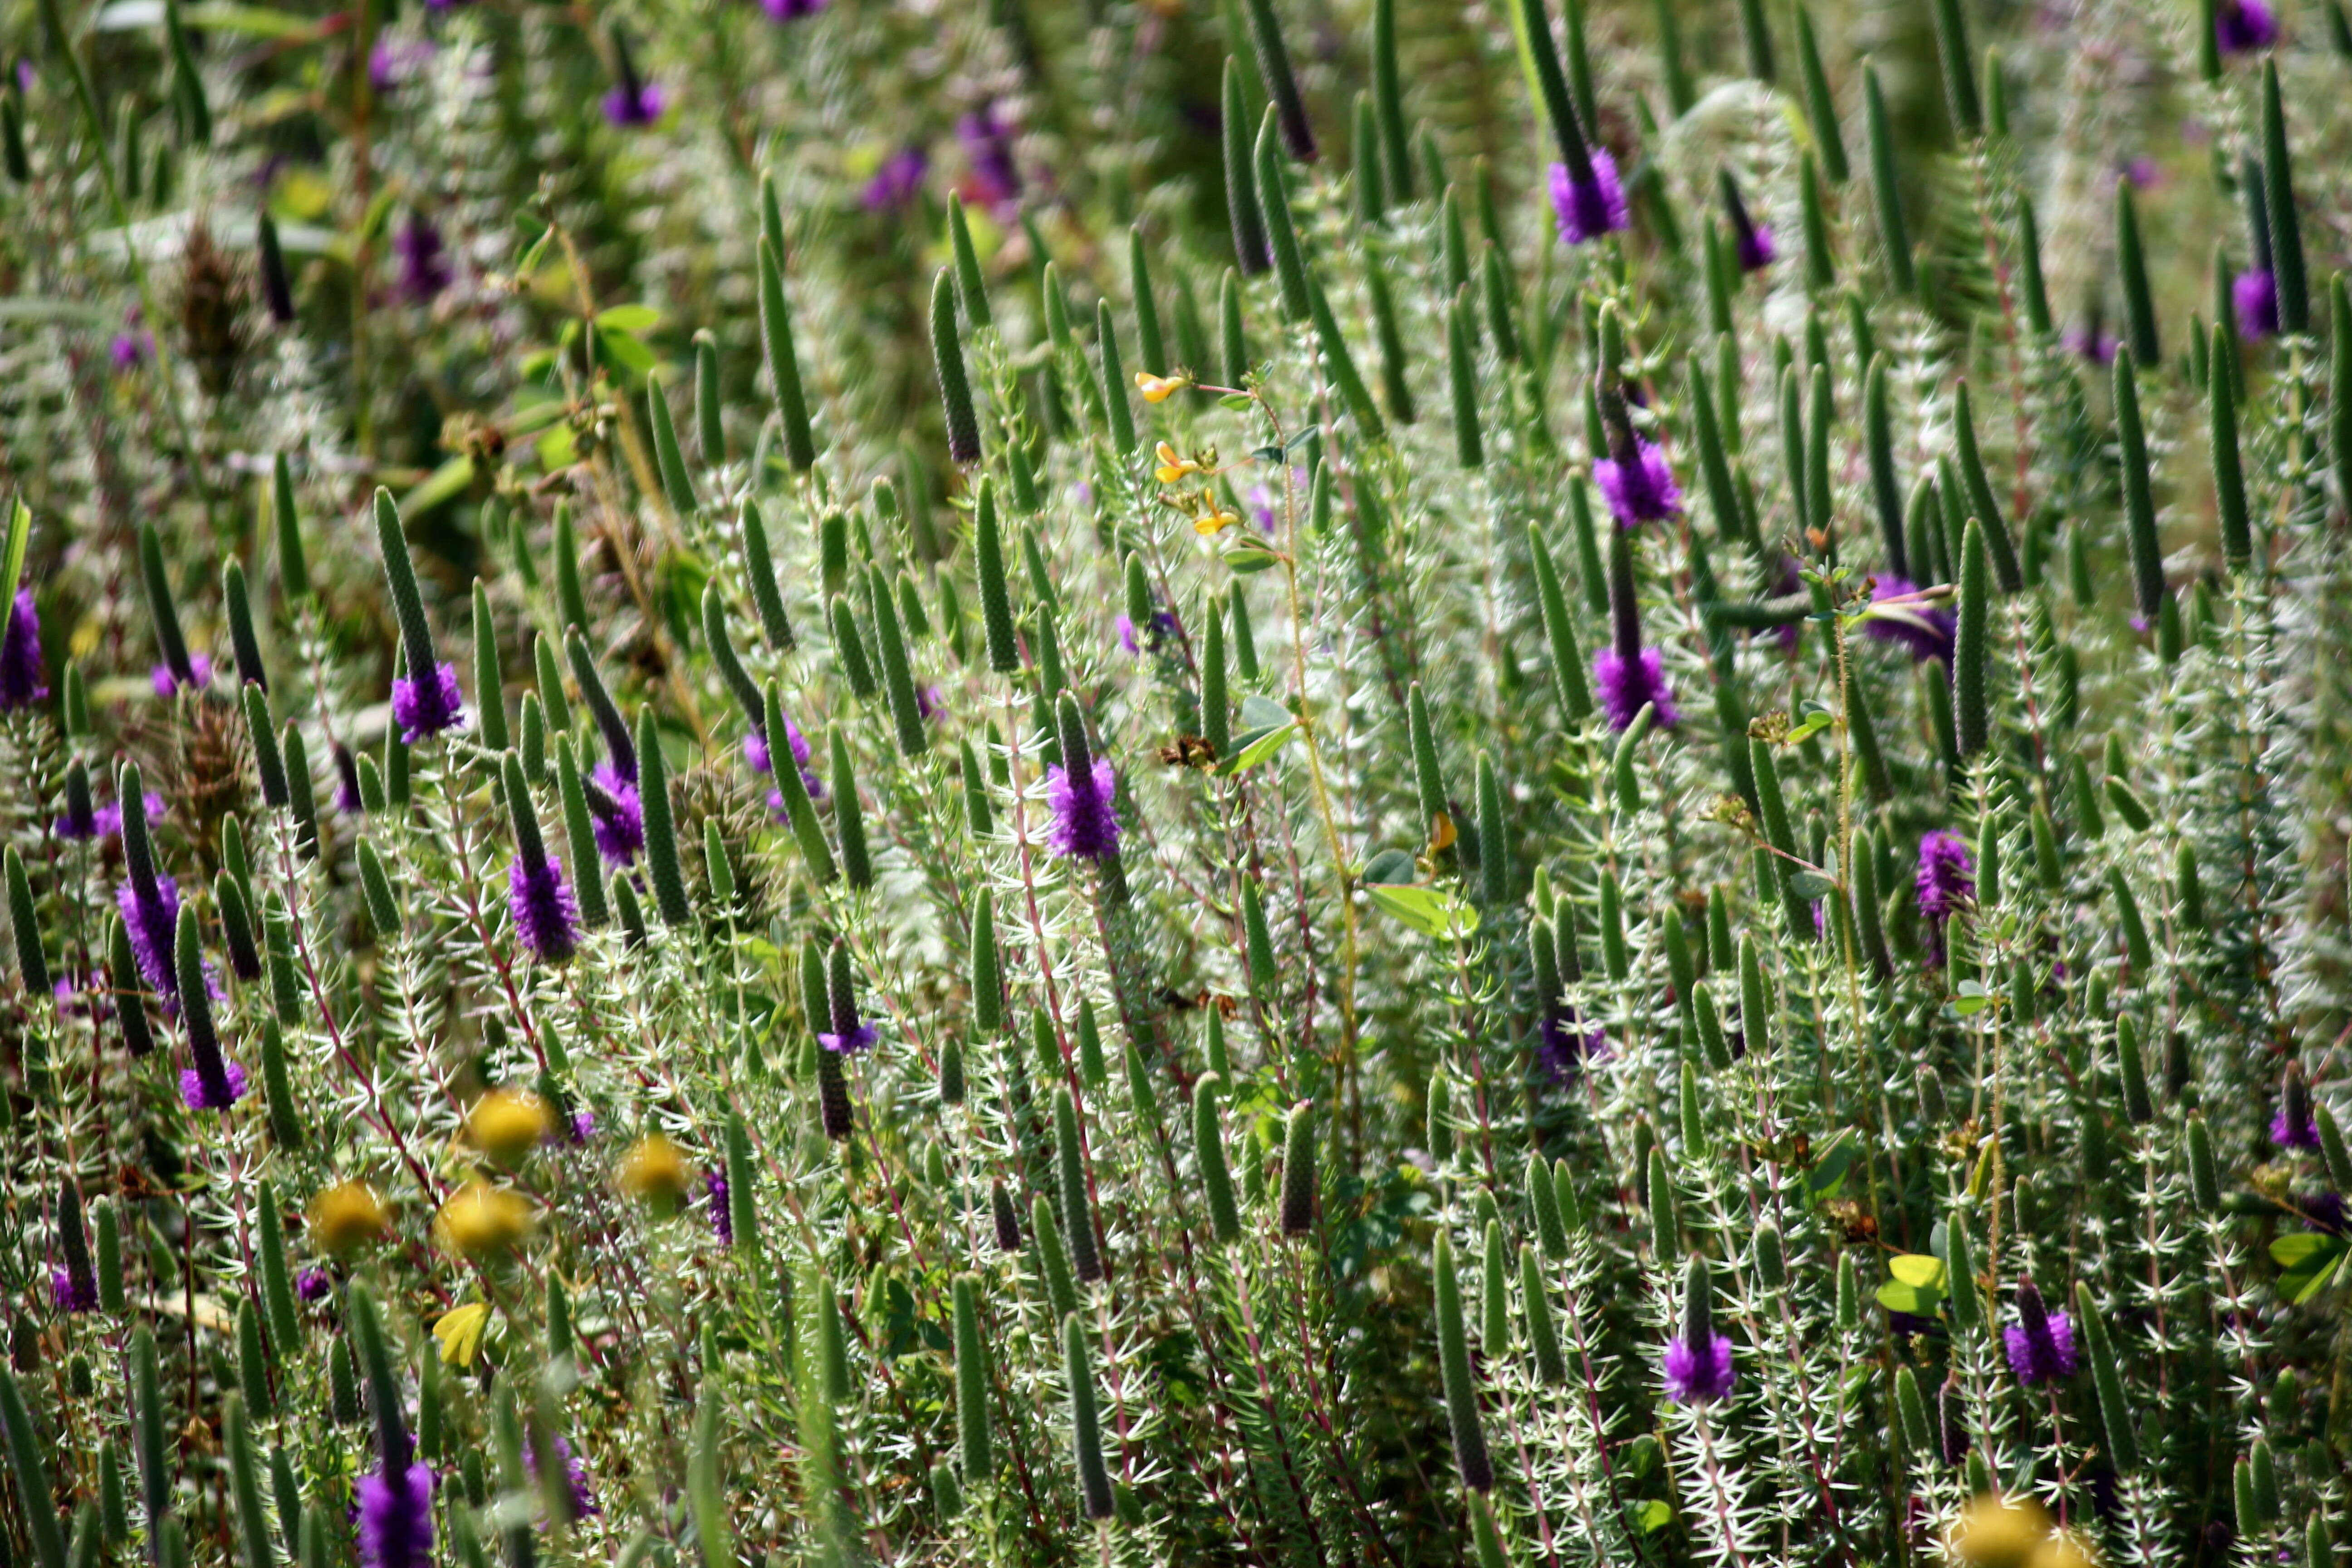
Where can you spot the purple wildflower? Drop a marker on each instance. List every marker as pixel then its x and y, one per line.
pixel 314 1284
pixel 1638 485
pixel 134 345
pixel 1755 248
pixel 71 1291
pixel 616 815
pixel 1627 685
pixel 575 1474
pixel 896 182
pixel 2295 1127
pixel 545 911
pixel 1925 627
pixel 2254 293
pixel 633 101
pixel 2241 27
pixel 1085 819
pixel 21 685
pixel 347 782
pixel 104 821
pixel 723 1217
pixel 168 682
pixel 791 10
pixel 423 266
pixel 1946 878
pixel 223 1091
pixel 1591 204
pixel 1564 1043
pixel 2092 343
pixel 993 179
pixel 393 61
pixel 1698 1373
pixel 396 1509
pixel 152 916
pixel 1127 635
pixel 425 708
pixel 583 1126
pixel 859 1036
pixel 2041 1344
pixel 2324 1211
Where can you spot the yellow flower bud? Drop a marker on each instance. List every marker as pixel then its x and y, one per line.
pixel 483 1221
pixel 506 1125
pixel 654 1169
pixel 347 1217
pixel 1214 522
pixel 2001 1533
pixel 1171 467
pixel 1156 388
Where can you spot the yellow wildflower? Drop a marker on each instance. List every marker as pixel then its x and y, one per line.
pixel 347 1217
pixel 1171 467
pixel 482 1221
pixel 654 1169
pixel 506 1125
pixel 1156 388
pixel 1996 1532
pixel 1214 520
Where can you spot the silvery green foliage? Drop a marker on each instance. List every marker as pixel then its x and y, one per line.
pixel 1422 892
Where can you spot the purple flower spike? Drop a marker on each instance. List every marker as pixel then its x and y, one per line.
pixel 1086 820
pixel 2090 342
pixel 1755 248
pixel 1925 628
pixel 2041 1344
pixel 635 104
pixel 1591 204
pixel 72 1294
pixel 545 911
pixel 169 683
pixel 423 265
pixel 2241 27
pixel 1946 878
pixel 1629 685
pixel 1639 488
pixel 1696 1373
pixel 994 178
pixel 2255 295
pixel 2295 1127
pixel 575 1474
pixel 314 1284
pixel 198 1095
pixel 722 1219
pixel 1127 635
pixel 423 709
pixel 153 921
pixel 791 10
pixel 21 685
pixel 896 182
pixel 395 1510
pixel 1564 1043
pixel 616 815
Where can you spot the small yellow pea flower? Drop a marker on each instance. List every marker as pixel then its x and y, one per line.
pixel 1171 467
pixel 654 1169
pixel 1156 388
pixel 483 1221
pixel 347 1217
pixel 2002 1532
pixel 1215 522
pixel 506 1125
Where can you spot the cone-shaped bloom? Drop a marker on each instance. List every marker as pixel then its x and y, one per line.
pixel 1633 477
pixel 2041 1344
pixel 1750 241
pixel 1946 878
pixel 1080 793
pixel 2254 294
pixel 791 10
pixel 632 102
pixel 2295 1127
pixel 575 1473
pixel 169 683
pixel 545 909
pixel 723 1219
pixel 214 1082
pixel 1698 1360
pixel 616 815
pixel 845 1031
pixel 1628 676
pixel 1591 201
pixel 424 707
pixel 2241 27
pixel 149 901
pixel 21 685
pixel 396 1516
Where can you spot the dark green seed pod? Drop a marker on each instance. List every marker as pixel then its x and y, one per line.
pixel 1093 1067
pixel 579 835
pixel 2131 266
pixel 1543 1334
pixel 1085 1420
pixel 1821 109
pixel 972 292
pixel 243 643
pixel 252 1357
pixel 1971 646
pixel 1959 69
pixel 848 816
pixel 31 965
pixel 1666 1222
pixel 548 674
pixel 2285 228
pixel 261 730
pixel 1281 232
pixel 2115 1409
pixel 2229 476
pixel 758 568
pixel 277 1278
pixel 669 458
pixel 849 651
pixel 1560 633
pixel 661 830
pixel 1461 1390
pixel 2131 1066
pixel 1077 1210
pixel 1886 189
pixel 1340 364
pixel 1299 1179
pixel 1959 1271
pixel 1493 837
pixel 2136 947
pixel 1394 385
pixel 1709 1025
pixel 2140 502
pixel 898 671
pixel 2204 1172
pixel 1916 1430
pixel 1216 708
pixel 1462 379
pixel 1209 1150
pixel 978 816
pixel 784 364
pixel 996 598
pixel 1053 1263
pixel 987 976
pixel 1250 251
pixel 1265 981
pixel 2332 1147
pixel 977 1446
pixel 1982 502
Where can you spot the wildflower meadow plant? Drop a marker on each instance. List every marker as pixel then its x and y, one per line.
pixel 1377 784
